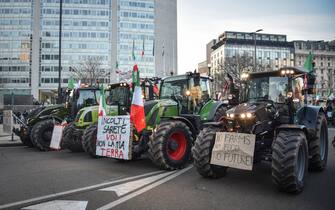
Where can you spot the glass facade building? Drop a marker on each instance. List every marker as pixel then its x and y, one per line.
pixel 15 46
pixel 85 33
pixel 136 31
pixel 117 33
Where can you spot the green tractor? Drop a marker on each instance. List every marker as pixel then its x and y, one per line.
pixel 118 103
pixel 289 133
pixel 118 100
pixel 173 120
pixel 38 128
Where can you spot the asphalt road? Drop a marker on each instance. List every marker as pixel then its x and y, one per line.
pixel 63 180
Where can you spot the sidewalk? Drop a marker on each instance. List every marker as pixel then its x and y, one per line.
pixel 6 139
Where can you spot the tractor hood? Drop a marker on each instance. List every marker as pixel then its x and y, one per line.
pixel 148 105
pixel 253 108
pixel 49 110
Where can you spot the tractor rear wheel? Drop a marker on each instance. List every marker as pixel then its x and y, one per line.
pixel 318 147
pixel 89 140
pixel 72 138
pixel 202 153
pixel 170 147
pixel 25 139
pixel 41 134
pixel 289 160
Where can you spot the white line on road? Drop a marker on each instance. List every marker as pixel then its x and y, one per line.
pixel 143 190
pixel 59 205
pixel 55 195
pixel 127 187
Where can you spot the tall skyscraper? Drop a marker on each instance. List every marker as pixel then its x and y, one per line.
pixel 115 34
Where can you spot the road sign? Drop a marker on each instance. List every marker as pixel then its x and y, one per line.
pixel 113 137
pixel 235 150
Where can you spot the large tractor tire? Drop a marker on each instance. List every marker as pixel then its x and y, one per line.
pixel 202 153
pixel 26 141
pixel 220 112
pixel 290 160
pixel 318 147
pixel 170 147
pixel 72 138
pixel 42 133
pixel 89 140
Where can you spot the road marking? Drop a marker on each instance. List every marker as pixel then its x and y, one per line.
pixel 59 204
pixel 331 129
pixel 143 190
pixel 127 187
pixel 92 187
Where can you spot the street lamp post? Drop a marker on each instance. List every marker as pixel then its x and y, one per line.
pixel 255 59
pixel 60 52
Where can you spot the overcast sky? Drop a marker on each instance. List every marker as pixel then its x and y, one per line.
pixel 200 21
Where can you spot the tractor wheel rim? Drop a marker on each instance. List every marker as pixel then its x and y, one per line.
pixel 177 145
pixel 301 163
pixel 323 142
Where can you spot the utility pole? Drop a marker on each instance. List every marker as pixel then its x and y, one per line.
pixel 60 52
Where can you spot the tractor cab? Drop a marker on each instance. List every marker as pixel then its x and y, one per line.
pixel 119 95
pixel 150 88
pixel 190 91
pixel 81 97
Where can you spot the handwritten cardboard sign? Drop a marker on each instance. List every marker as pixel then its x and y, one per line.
pixel 235 150
pixel 7 121
pixel 56 138
pixel 113 137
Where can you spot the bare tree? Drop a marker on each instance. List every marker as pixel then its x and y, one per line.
pixel 89 70
pixel 232 66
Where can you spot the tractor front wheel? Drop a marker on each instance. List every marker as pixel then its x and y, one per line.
pixel 72 138
pixel 170 147
pixel 318 147
pixel 26 141
pixel 89 140
pixel 41 134
pixel 202 153
pixel 289 160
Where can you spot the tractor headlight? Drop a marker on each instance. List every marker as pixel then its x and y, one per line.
pixel 225 102
pixel 232 115
pixel 247 115
pixel 230 96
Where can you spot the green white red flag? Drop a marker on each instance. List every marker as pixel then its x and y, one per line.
pixel 137 116
pixel 102 103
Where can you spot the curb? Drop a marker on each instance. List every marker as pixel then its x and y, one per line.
pixel 11 144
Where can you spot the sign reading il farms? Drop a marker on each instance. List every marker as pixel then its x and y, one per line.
pixel 235 150
pixel 113 137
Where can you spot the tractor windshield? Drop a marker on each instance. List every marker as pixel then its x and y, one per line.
pixel 87 97
pixel 176 86
pixel 268 88
pixel 118 96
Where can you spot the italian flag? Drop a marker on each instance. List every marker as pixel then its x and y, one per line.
pixel 137 116
pixel 102 103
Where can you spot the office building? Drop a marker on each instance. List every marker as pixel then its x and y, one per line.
pixel 116 34
pixel 234 52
